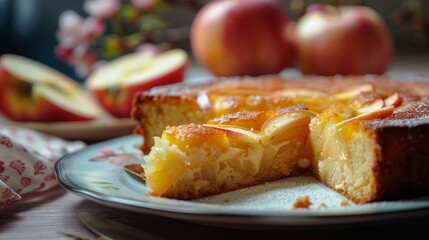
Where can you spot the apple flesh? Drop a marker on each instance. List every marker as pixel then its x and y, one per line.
pixel 115 84
pixel 233 37
pixel 393 100
pixel 374 106
pixel 368 115
pixel 237 133
pixel 286 126
pixel 246 119
pixel 347 40
pixel 245 139
pixel 32 91
pixel 378 109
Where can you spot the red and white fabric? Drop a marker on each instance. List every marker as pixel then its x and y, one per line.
pixel 27 161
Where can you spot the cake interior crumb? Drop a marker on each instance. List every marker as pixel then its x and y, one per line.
pixel 302 202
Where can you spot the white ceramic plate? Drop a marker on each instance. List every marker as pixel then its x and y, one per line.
pixel 96 173
pixel 89 131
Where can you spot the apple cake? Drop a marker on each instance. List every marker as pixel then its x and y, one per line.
pixel 365 137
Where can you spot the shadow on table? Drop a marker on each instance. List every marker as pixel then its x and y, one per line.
pixel 29 201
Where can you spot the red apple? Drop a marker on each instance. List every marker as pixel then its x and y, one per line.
pixel 233 37
pixel 32 91
pixel 115 84
pixel 343 40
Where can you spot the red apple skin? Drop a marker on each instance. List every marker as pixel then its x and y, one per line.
pixel 118 100
pixel 233 37
pixel 351 41
pixel 18 105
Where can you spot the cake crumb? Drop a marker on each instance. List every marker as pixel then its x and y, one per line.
pixel 302 202
pixel 344 203
pixel 285 169
pixel 226 200
pixel 322 205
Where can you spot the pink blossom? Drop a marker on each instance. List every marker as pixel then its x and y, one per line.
pixel 80 51
pixel 80 57
pixel 144 5
pixel 63 52
pixel 102 8
pixel 83 63
pixel 75 36
pixel 92 28
pixel 70 25
pixel 148 48
pixel 73 30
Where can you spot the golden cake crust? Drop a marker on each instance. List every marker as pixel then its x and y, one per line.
pixel 185 97
pixel 403 157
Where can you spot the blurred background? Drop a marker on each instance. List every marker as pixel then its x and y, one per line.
pixel 30 27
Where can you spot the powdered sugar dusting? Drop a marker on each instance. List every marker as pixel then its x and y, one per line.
pixel 278 196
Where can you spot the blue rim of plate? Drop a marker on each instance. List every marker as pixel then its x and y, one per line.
pixel 232 218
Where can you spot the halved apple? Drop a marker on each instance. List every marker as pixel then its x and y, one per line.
pixel 32 91
pixel 115 84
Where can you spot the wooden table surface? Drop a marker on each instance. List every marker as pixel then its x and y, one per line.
pixel 54 214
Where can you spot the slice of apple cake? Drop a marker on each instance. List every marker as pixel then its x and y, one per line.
pixel 376 156
pixel 192 161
